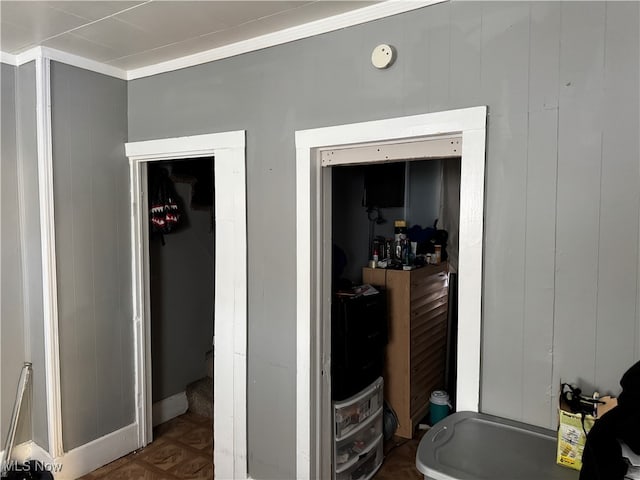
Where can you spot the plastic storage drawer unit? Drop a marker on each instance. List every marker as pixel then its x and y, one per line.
pixel 359 440
pixel 350 413
pixel 367 464
pixel 475 446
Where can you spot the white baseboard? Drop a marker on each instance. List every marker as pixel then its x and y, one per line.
pixel 84 459
pixel 27 451
pixel 95 454
pixel 39 453
pixel 32 451
pixel 169 408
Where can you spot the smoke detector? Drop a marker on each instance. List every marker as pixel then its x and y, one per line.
pixel 383 56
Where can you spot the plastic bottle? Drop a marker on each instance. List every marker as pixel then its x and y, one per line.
pixel 438 254
pixel 406 252
pixel 400 230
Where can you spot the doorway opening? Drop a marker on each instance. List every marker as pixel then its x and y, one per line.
pixel 414 353
pixel 181 286
pixel 315 150
pixel 230 288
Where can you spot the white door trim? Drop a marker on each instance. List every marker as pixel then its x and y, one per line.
pixel 48 248
pixel 470 123
pixel 230 365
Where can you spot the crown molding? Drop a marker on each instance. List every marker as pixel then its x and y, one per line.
pixel 355 17
pixel 62 57
pixel 28 55
pixel 8 59
pixel 81 62
pixel 325 25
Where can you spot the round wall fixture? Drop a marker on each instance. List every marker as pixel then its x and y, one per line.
pixel 383 56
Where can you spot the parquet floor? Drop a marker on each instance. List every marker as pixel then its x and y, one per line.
pixel 400 460
pixel 182 450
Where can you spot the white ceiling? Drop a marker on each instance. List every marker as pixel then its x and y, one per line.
pixel 135 34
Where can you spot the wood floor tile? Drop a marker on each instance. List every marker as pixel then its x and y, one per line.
pixel 165 456
pixel 103 471
pixel 194 469
pixel 137 471
pixel 183 450
pixel 199 438
pixel 400 460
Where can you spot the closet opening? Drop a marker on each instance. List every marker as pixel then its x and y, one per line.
pixel 181 244
pixel 394 304
pixel 379 141
pixel 226 151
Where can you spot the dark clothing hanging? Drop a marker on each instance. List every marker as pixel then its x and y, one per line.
pixel 164 207
pixel 602 458
pixel 200 174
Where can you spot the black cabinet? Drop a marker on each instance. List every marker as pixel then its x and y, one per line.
pixel 358 339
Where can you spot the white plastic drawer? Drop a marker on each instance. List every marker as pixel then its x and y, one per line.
pixel 349 413
pixel 360 440
pixel 367 465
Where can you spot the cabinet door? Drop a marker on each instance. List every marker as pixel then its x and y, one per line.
pixel 428 335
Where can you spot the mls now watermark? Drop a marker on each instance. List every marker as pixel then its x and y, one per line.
pixel 13 468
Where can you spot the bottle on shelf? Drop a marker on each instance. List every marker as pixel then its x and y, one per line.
pixel 375 258
pixel 400 231
pixel 438 254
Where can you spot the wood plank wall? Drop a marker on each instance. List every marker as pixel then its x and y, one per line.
pixel 91 197
pixel 561 261
pixel 560 292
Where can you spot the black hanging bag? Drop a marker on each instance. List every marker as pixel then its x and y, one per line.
pixel 164 207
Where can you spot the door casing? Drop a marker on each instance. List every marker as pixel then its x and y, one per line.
pixel 313 201
pixel 230 360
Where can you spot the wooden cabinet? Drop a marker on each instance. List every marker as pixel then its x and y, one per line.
pixel 416 352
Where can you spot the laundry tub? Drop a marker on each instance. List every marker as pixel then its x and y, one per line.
pixel 475 446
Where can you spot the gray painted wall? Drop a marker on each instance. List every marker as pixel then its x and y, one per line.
pixel 449 216
pixel 12 334
pixel 181 301
pixel 350 224
pixel 21 330
pixel 423 195
pixel 560 298
pixel 31 245
pixel 93 243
